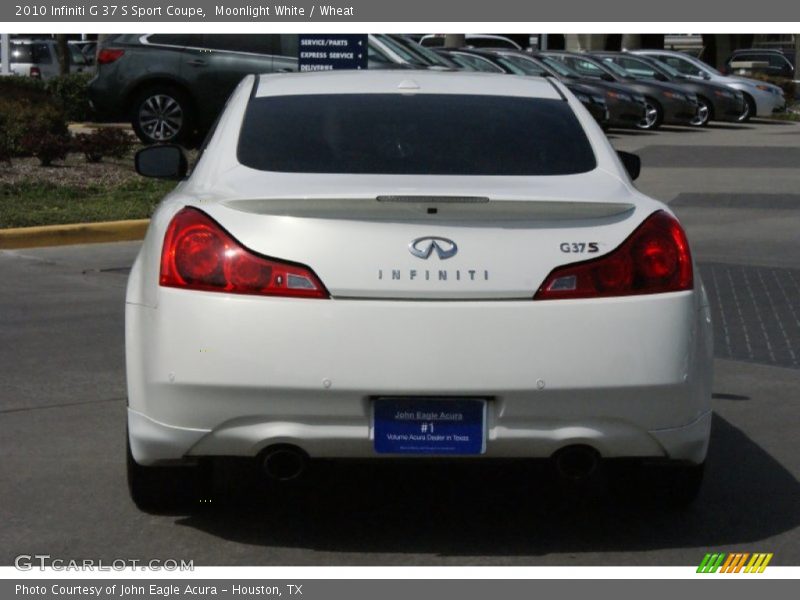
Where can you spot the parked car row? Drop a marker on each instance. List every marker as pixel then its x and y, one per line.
pixel 640 90
pixel 172 86
pixel 762 98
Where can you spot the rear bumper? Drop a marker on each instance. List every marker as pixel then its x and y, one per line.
pixel 213 374
pixel 107 99
pixel 153 442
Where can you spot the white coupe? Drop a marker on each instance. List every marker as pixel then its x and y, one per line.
pixel 401 264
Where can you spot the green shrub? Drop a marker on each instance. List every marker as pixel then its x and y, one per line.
pixel 16 87
pixel 5 144
pixel 27 108
pixel 72 92
pixel 103 141
pixel 46 146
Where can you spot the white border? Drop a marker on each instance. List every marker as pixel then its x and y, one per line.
pixel 433 572
pixel 402 27
pixel 438 572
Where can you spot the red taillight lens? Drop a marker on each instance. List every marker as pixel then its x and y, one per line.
pixel 654 259
pixel 35 72
pixel 198 254
pixel 109 55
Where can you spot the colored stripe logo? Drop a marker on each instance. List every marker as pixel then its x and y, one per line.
pixel 735 562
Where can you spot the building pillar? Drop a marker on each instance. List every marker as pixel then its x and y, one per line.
pixel 585 41
pixel 631 41
pixel 5 51
pixel 455 40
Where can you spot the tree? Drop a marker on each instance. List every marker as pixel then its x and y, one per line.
pixel 455 40
pixel 63 54
pixel 797 63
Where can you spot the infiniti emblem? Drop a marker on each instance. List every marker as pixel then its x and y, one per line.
pixel 425 246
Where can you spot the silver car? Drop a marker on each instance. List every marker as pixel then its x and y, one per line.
pixel 39 58
pixel 762 98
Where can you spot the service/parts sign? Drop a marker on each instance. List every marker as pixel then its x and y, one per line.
pixel 331 52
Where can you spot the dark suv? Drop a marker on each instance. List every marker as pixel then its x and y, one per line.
pixel 777 63
pixel 172 86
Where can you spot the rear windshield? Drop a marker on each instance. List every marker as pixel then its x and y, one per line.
pixel 30 53
pixel 419 134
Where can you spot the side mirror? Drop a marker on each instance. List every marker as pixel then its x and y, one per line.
pixel 631 162
pixel 164 161
pixel 705 75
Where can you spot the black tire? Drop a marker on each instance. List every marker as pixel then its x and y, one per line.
pixel 163 489
pixel 666 486
pixel 749 109
pixel 705 112
pixel 162 114
pixel 654 115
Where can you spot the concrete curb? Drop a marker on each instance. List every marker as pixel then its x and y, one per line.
pixel 78 233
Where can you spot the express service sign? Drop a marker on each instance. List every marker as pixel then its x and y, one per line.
pixel 331 52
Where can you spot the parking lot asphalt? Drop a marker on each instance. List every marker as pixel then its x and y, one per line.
pixel 62 409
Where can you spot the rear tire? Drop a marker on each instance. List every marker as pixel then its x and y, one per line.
pixel 162 114
pixel 162 489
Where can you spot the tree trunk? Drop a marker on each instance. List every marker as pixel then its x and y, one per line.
pixel 455 40
pixel 631 41
pixel 797 65
pixel 63 54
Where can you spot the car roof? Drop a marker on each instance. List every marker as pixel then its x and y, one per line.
pixel 664 51
pixel 767 50
pixel 788 55
pixel 412 81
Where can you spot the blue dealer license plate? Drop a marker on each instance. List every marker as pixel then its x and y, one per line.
pixel 429 426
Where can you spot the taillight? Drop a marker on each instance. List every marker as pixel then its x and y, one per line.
pixel 654 259
pixel 109 55
pixel 198 254
pixel 35 72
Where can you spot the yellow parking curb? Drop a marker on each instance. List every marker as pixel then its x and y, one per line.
pixel 77 233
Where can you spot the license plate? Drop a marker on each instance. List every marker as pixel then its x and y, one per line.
pixel 429 426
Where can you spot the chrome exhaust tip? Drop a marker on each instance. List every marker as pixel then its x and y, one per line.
pixel 284 463
pixel 577 462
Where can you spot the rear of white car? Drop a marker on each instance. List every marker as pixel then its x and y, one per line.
pixel 418 265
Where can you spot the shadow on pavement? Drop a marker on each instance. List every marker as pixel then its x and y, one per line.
pixel 679 129
pixel 618 133
pixel 480 510
pixel 773 122
pixel 728 126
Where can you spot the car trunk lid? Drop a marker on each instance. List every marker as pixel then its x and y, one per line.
pixel 470 243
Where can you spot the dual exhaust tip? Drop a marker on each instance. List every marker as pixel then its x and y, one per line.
pixel 285 463
pixel 576 463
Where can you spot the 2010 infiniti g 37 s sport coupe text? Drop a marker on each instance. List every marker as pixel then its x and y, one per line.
pixel 414 265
